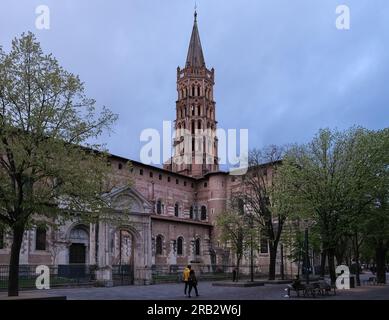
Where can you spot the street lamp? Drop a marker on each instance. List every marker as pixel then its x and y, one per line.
pixel 306 255
pixel 307 224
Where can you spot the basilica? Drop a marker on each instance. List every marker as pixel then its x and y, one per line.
pixel 172 210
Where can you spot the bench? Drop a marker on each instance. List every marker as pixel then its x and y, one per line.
pixel 296 288
pixel 324 288
pixel 313 289
pixel 370 280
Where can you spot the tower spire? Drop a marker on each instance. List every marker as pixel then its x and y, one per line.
pixel 195 58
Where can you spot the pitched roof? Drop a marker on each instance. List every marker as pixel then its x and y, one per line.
pixel 195 56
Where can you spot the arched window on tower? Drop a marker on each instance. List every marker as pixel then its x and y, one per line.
pixel 198 110
pixel 199 125
pixel 203 213
pixel 176 209
pixel 180 246
pixel 197 247
pixel 193 91
pixel 192 110
pixel 240 206
pixel 2 236
pixel 198 91
pixel 158 245
pixel 191 213
pixel 159 207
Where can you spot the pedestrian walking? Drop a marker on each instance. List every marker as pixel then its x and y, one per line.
pixel 185 277
pixel 235 275
pixel 192 283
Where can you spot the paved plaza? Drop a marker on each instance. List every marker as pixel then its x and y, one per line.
pixel 175 291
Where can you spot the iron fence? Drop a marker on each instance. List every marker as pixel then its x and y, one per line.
pixel 60 276
pixel 173 273
pixel 122 274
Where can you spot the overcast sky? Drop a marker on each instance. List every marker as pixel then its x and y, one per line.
pixel 283 70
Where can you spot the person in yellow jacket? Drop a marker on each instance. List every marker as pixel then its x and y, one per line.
pixel 185 277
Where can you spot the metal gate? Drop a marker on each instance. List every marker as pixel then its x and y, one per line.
pixel 123 275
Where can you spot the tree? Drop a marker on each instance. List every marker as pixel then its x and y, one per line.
pixel 376 218
pixel 335 178
pixel 236 229
pixel 316 172
pixel 45 173
pixel 263 192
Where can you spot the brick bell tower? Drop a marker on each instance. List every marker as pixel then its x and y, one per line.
pixel 195 144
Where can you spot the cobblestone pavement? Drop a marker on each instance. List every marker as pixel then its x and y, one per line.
pixel 207 292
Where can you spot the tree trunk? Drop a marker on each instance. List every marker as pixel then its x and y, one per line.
pixel 13 277
pixel 323 263
pixel 380 252
pixel 237 268
pixel 272 264
pixel 331 264
pixel 282 262
pixel 357 274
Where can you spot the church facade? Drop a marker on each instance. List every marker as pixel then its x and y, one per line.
pixel 172 210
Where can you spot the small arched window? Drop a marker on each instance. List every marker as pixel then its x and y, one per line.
pixel 176 209
pixel 191 212
pixel 159 207
pixel 241 206
pixel 40 239
pixel 197 247
pixel 2 242
pixel 179 246
pixel 203 213
pixel 158 245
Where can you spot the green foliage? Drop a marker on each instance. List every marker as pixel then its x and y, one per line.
pixel 237 230
pixel 48 169
pixel 339 181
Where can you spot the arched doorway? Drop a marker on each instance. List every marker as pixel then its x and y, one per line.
pixel 79 245
pixel 123 248
pixel 78 251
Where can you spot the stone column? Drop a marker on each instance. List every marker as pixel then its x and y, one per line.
pixel 206 250
pixel 192 250
pixel 104 270
pixel 92 244
pixel 25 248
pixel 172 257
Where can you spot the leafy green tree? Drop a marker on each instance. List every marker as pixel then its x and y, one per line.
pixel 45 173
pixel 317 172
pixel 335 179
pixel 237 230
pixel 263 191
pixel 376 220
